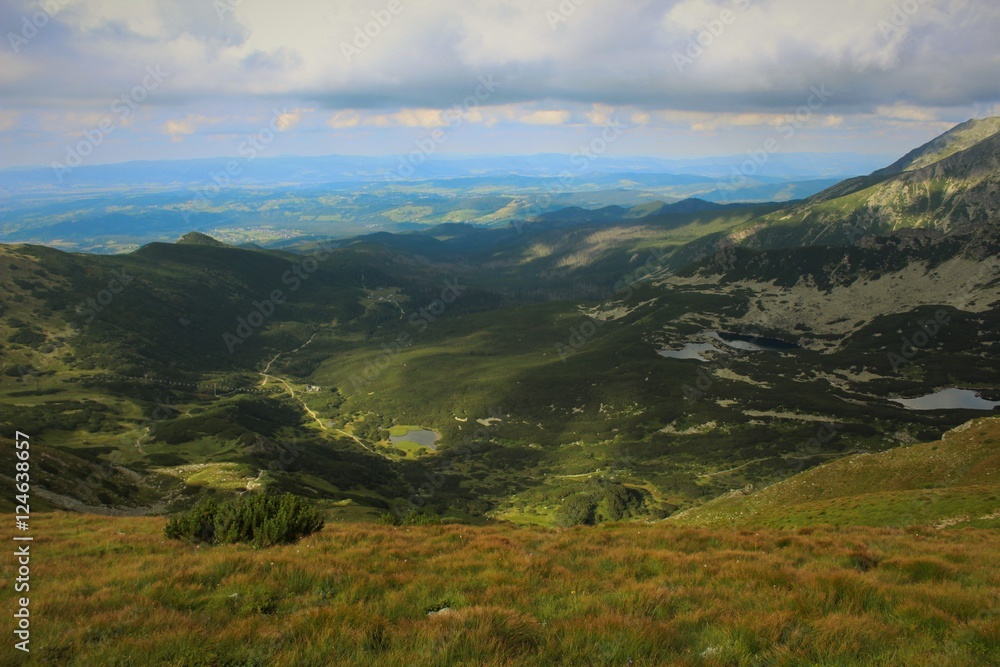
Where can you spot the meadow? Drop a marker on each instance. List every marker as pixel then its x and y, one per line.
pixel 114 591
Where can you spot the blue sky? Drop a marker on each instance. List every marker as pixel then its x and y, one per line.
pixel 175 79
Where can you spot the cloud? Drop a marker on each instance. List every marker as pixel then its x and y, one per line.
pixel 343 120
pixel 175 127
pixel 546 117
pixel 750 61
pixel 432 55
pixel 288 120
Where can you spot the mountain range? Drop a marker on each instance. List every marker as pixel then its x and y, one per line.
pixel 574 365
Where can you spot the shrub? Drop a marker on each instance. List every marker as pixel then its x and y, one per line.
pixel 608 501
pixel 577 510
pixel 411 518
pixel 258 519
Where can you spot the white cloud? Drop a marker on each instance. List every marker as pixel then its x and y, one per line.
pixel 344 120
pixel 175 127
pixel 605 60
pixel 288 120
pixel 546 117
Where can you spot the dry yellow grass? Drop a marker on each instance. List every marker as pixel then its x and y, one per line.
pixel 114 591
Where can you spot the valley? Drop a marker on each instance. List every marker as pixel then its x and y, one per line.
pixel 500 334
pixel 533 366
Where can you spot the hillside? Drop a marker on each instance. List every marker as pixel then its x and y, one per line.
pixel 951 482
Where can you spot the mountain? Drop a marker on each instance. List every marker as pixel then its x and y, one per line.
pixel 586 366
pixel 949 186
pixel 197 238
pixel 959 138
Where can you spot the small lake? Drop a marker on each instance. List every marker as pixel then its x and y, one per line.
pixel 422 437
pixel 751 343
pixel 690 351
pixel 948 399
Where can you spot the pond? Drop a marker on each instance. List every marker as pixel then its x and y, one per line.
pixel 423 437
pixel 751 343
pixel 948 399
pixel 690 351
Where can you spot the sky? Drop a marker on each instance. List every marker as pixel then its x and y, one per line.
pixel 102 81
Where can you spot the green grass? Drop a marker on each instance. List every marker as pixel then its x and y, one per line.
pixel 954 481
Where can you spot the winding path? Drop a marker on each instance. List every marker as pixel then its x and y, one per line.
pixel 291 391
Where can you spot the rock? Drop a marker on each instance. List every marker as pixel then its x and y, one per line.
pixel 443 611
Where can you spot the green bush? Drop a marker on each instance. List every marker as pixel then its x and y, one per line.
pixel 258 519
pixel 577 510
pixel 607 501
pixel 411 518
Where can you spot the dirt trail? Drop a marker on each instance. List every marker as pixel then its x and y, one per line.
pixel 291 391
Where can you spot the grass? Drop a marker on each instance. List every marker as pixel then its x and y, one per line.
pixel 952 481
pixel 112 591
pixel 222 476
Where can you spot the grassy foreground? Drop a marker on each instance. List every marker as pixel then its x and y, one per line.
pixel 114 591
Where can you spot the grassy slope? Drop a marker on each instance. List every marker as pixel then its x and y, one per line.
pixel 116 592
pixel 950 482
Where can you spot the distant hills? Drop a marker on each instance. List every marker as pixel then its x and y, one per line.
pixel 507 171
pixel 118 207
